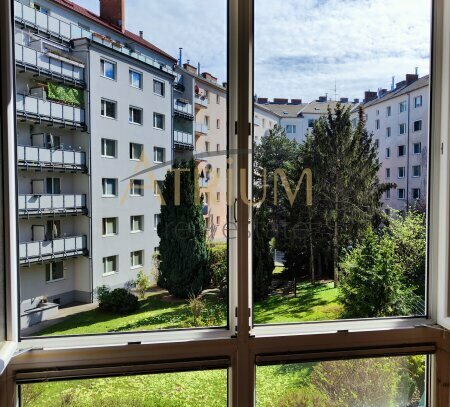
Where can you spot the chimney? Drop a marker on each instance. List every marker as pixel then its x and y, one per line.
pixel 322 99
pixel 296 101
pixel 368 96
pixel 280 101
pixel 198 68
pixel 344 100
pixel 180 59
pixel 263 101
pixel 141 34
pixel 113 12
pixel 208 76
pixel 400 84
pixel 356 100
pixel 410 78
pixel 190 68
pixel 225 84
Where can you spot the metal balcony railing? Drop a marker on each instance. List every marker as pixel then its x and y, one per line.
pixel 48 250
pixel 184 108
pixel 201 101
pixel 47 158
pixel 55 27
pixel 41 205
pixel 49 64
pixel 183 139
pixel 201 128
pixel 40 109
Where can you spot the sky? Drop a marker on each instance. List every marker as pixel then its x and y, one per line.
pixel 303 48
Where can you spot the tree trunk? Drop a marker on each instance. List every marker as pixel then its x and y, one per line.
pixel 335 254
pixel 311 251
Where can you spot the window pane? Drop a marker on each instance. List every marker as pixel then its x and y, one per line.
pixel 74 110
pixel 380 382
pixel 335 247
pixel 195 389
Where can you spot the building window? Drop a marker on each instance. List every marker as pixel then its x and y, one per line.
pixel 158 121
pixel 388 111
pixel 401 151
pixel 416 193
pixel 218 220
pixel 401 172
pixel 418 101
pixel 377 143
pixel 387 212
pixel 263 123
pixel 388 173
pixel 54 272
pixel 311 122
pixel 136 187
pixel 218 172
pixel 207 122
pixel 109 148
pixel 218 99
pixel 218 123
pixel 388 152
pixel 291 129
pixel 156 220
pixel 377 112
pixel 108 108
pixel 377 123
pixel 388 132
pixel 110 265
pixel 206 146
pixel 136 151
pixel 388 194
pixel 402 107
pixel 135 115
pixel 157 187
pixel 137 223
pixel 158 87
pixel 137 259
pixel 159 154
pixel 418 125
pixel 402 128
pixel 109 226
pixel 53 185
pixel 417 170
pixel 218 196
pixel 218 147
pixel 109 187
pixel 417 148
pixel 135 79
pixel 108 69
pixel 401 193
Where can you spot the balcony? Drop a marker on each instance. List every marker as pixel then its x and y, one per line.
pixel 183 109
pixel 47 159
pixel 201 129
pixel 49 250
pixel 33 108
pixel 50 64
pixel 54 205
pixel 44 23
pixel 201 101
pixel 183 140
pixel 257 121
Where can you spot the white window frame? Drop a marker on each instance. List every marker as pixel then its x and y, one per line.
pixel 130 79
pixel 104 115
pixel 402 106
pixel 418 98
pixel 136 187
pixel 115 227
pixel 104 142
pixel 388 132
pixel 404 150
pixel 155 115
pixel 241 345
pixel 103 63
pixel 163 94
pixel 156 220
pixel 104 263
pixel 414 125
pixel 140 221
pixel 403 197
pixel 104 183
pixel 131 115
pixel 141 264
pixel 420 171
pixel 402 129
pixel 420 148
pixel 156 151
pixel 131 152
pixel 401 171
pixel 50 267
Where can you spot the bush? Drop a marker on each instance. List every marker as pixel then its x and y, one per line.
pixel 218 267
pixel 118 301
pixel 196 305
pixel 142 284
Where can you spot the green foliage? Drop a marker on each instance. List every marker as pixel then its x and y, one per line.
pixel 359 383
pixel 196 306
pixel 183 250
pixel 118 301
pixel 65 94
pixel 218 267
pixel 142 284
pixel 373 280
pixel 263 263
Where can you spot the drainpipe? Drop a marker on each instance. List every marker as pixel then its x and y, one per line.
pixel 407 152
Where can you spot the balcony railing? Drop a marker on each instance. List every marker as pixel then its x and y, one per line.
pixel 183 108
pixel 48 250
pixel 41 205
pixel 183 139
pixel 201 101
pixel 48 64
pixel 55 27
pixel 201 128
pixel 40 109
pixel 50 159
pixel 49 24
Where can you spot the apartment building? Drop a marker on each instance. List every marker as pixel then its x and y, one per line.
pixel 296 117
pixel 264 120
pixel 88 215
pixel 201 128
pixel 398 120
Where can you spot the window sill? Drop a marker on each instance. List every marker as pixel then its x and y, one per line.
pixel 55 281
pixel 135 123
pixel 109 274
pixel 108 117
pixel 133 232
pixel 110 79
pixel 109 157
pixel 109 196
pixel 136 267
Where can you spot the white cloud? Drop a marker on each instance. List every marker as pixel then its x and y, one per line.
pixel 301 47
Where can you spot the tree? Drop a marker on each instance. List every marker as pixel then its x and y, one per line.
pixel 346 191
pixel 263 263
pixel 183 250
